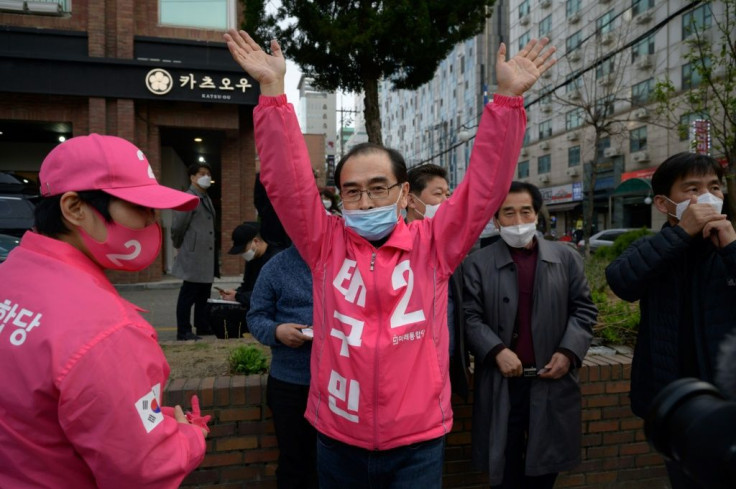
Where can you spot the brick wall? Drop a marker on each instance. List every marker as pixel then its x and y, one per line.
pixel 242 450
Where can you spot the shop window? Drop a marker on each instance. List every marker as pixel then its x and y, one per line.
pixel 203 14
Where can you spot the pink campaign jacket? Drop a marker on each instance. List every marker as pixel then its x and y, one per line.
pixel 380 355
pixel 83 375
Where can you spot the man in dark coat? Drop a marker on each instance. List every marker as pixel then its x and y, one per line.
pixel 685 279
pixel 528 320
pixel 193 235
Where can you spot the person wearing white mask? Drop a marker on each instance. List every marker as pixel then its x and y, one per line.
pixel 428 189
pixel 196 263
pixel 685 279
pixel 528 319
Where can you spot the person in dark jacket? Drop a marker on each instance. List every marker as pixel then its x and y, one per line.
pixel 247 241
pixel 528 318
pixel 685 279
pixel 193 235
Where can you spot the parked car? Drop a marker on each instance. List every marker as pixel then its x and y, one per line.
pixel 7 243
pixel 604 238
pixel 16 206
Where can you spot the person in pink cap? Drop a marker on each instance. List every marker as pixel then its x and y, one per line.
pixel 81 404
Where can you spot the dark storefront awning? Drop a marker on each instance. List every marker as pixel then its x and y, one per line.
pixel 567 206
pixel 633 186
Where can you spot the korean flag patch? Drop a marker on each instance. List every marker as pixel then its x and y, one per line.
pixel 149 408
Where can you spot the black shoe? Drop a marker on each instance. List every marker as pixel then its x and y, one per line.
pixel 188 336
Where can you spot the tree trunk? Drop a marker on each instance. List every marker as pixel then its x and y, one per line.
pixel 372 111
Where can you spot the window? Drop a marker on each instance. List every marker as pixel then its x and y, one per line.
pixel 638 139
pixel 203 14
pixel 524 39
pixel 692 73
pixel 543 164
pixel 574 41
pixel 639 6
pixel 545 26
pixel 527 137
pixel 642 48
pixel 574 119
pixel 574 85
pixel 545 129
pixel 573 156
pixel 604 23
pixel 697 20
pixel 642 92
pixel 604 106
pixel 524 8
pixel 686 120
pixel 603 143
pixel 604 68
pixel 523 169
pixel 572 7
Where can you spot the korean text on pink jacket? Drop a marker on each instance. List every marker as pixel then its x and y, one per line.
pixel 80 402
pixel 380 355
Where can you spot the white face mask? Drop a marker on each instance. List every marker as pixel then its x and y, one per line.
pixel 518 236
pixel 706 198
pixel 326 203
pixel 429 209
pixel 204 182
pixel 249 255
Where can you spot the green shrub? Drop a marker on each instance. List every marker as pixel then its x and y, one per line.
pixel 622 242
pixel 618 320
pixel 247 360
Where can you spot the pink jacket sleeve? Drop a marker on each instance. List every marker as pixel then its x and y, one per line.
pixel 460 220
pixel 102 396
pixel 286 173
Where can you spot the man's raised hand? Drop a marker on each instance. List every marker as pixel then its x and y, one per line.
pixel 518 74
pixel 267 69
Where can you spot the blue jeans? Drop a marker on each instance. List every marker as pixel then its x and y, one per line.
pixel 416 466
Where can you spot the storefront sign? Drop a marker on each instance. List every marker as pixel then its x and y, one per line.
pixel 159 81
pixel 643 173
pixel 700 137
pixel 562 193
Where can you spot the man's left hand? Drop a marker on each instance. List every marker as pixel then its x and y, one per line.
pixel 558 366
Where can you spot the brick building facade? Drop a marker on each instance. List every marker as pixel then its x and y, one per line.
pixel 111 67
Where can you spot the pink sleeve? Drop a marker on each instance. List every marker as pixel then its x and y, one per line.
pixel 110 410
pixel 286 172
pixel 460 220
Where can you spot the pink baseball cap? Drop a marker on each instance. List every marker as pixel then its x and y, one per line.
pixel 110 164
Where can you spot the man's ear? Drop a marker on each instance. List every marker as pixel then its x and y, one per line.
pixel 411 204
pixel 73 209
pixel 404 199
pixel 660 202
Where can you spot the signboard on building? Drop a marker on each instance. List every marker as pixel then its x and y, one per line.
pixel 560 194
pixel 645 173
pixel 700 137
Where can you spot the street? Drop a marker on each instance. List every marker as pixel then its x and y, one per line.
pixel 159 299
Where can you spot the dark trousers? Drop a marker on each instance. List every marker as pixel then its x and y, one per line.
pixel 415 466
pixel 516 442
pixel 192 293
pixel 297 438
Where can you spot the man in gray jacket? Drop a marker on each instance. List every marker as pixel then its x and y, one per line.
pixel 193 234
pixel 528 320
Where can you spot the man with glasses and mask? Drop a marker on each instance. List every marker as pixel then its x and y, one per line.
pixel 528 319
pixel 379 392
pixel 685 279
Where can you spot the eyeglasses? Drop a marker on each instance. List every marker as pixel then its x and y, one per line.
pixel 376 192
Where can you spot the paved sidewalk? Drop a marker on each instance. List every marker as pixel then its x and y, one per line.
pixel 159 299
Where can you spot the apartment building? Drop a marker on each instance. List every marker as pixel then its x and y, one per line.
pixel 611 55
pixel 149 71
pixel 436 123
